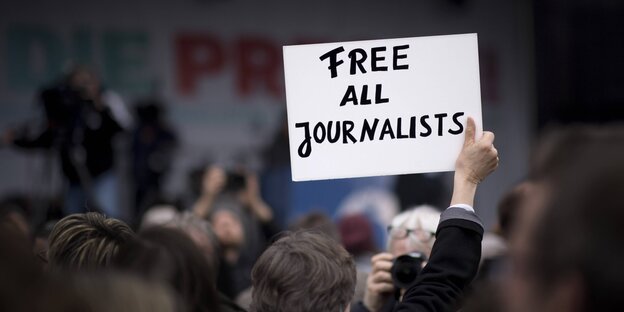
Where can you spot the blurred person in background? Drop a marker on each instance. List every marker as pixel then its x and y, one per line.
pixel 198 230
pixel 317 221
pixel 356 234
pixel 566 250
pixel 153 146
pixel 165 255
pixel 82 119
pixel 24 286
pixel 86 241
pixel 241 220
pixel 487 288
pixel 411 231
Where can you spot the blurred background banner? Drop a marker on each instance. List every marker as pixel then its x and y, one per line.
pixel 218 66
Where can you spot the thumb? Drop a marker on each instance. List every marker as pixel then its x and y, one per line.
pixel 470 131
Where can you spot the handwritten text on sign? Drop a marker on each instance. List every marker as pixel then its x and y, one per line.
pixel 380 107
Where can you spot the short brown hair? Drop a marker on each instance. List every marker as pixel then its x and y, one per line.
pixel 303 271
pixel 86 241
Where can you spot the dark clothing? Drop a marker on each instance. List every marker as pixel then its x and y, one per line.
pixel 233 278
pixel 153 146
pixel 89 131
pixel 387 307
pixel 227 305
pixel 452 266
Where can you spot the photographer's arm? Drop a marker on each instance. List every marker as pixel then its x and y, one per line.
pixel 213 182
pixel 456 253
pixel 253 200
pixel 44 140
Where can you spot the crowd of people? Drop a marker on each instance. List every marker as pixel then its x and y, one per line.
pixel 556 246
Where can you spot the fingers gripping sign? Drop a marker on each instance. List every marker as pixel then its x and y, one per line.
pixel 478 157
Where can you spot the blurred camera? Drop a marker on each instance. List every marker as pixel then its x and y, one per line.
pixel 405 269
pixel 61 103
pixel 235 181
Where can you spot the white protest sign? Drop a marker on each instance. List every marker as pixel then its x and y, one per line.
pixel 380 107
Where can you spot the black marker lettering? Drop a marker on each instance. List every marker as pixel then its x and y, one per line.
pixel 387 129
pixel 329 132
pixel 378 98
pixel 412 134
pixel 364 100
pixel 375 58
pixel 399 135
pixel 333 62
pixel 357 61
pixel 349 96
pixel 398 56
pixel 305 148
pixel 423 122
pixel 440 122
pixel 368 130
pixel 347 127
pixel 320 126
pixel 460 126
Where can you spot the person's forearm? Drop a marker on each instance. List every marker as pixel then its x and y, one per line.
pixel 262 211
pixel 203 205
pixel 464 190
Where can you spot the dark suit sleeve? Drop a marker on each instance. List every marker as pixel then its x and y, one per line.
pixel 452 266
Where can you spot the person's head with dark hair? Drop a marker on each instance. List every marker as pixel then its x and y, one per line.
pixel 201 233
pixel 169 256
pixel 86 241
pixel 107 291
pixel 303 271
pixel 567 254
pixel 24 286
pixel 508 209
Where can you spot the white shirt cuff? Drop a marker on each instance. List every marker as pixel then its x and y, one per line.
pixel 463 206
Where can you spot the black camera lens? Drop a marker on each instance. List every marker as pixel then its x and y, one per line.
pixel 235 182
pixel 406 268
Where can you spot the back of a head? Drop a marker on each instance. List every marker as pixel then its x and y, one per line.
pixel 303 271
pixel 508 208
pixel 86 241
pixel 200 231
pixel 121 293
pixel 581 230
pixel 169 256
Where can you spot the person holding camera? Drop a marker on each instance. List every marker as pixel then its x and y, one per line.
pixel 455 255
pixel 82 119
pixel 411 236
pixel 243 223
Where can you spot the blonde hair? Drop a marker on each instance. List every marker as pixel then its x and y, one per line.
pixel 86 241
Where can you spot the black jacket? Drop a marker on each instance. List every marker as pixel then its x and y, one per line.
pixel 452 266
